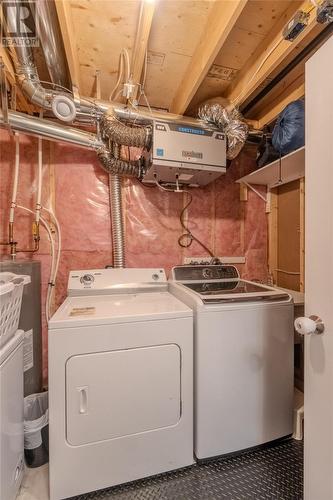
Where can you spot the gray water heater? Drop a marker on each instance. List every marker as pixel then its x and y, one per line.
pixel 30 322
pixel 193 154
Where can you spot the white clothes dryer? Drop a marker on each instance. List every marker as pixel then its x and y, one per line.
pixel 120 381
pixel 243 359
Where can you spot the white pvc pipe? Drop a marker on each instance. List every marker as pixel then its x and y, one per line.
pixel 39 176
pixel 57 261
pixel 16 177
pixel 48 230
pixel 120 75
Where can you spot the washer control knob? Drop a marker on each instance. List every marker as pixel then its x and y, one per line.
pixel 207 273
pixel 87 279
pixel 155 277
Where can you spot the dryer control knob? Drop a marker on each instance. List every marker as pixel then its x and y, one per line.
pixel 87 279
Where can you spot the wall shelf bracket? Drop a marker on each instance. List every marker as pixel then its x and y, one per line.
pixel 266 199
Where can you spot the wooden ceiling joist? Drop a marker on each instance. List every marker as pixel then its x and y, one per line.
pixel 290 88
pixel 273 53
pixel 68 37
pixel 221 20
pixel 21 101
pixel 10 73
pixel 276 107
pixel 141 41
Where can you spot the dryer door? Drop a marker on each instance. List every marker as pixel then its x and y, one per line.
pixel 119 393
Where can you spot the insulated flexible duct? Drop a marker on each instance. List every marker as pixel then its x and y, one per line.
pixel 125 135
pixel 115 166
pixel 119 134
pixel 229 120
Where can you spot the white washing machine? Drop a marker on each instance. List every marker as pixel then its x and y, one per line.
pixel 243 359
pixel 120 381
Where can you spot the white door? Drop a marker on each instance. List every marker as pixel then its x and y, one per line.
pixel 318 388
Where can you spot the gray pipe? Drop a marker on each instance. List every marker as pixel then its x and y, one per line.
pixel 117 224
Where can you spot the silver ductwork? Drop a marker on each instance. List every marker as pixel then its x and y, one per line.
pixel 113 164
pixel 136 136
pixel 117 224
pixel 88 110
pixel 30 125
pixel 229 120
pixel 52 44
pixel 59 100
pixel 139 137
pixel 64 102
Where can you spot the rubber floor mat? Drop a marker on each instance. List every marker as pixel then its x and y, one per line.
pixel 274 472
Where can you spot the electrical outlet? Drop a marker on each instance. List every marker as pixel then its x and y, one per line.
pixel 204 261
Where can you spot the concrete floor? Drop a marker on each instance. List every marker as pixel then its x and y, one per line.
pixel 35 484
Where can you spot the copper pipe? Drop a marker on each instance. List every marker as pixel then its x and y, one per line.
pixel 36 239
pixel 13 244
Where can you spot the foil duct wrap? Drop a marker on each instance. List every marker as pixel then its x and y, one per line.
pixel 123 134
pixel 229 120
pixel 117 166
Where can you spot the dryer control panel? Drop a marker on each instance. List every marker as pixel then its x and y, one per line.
pixel 209 273
pixel 106 281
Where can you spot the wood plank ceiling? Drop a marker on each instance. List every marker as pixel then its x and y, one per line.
pixel 197 49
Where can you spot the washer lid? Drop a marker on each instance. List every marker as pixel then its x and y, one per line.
pixel 121 308
pixel 235 290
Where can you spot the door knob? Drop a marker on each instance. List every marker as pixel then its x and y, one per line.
pixel 306 326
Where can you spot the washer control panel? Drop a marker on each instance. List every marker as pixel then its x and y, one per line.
pixel 114 280
pixel 200 273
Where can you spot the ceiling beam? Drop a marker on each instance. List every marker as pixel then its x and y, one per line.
pixel 221 20
pixel 68 36
pixel 292 94
pixel 272 54
pixel 285 86
pixel 21 102
pixel 146 15
pixel 10 73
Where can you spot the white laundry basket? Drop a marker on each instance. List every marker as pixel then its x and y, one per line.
pixel 11 290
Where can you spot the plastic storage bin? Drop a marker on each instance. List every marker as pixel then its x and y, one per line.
pixel 36 429
pixel 11 290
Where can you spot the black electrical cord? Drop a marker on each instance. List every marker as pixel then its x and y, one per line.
pixel 186 239
pixel 146 185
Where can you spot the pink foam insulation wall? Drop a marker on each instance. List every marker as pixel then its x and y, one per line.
pixel 77 187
